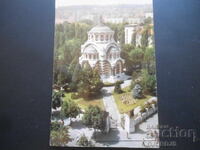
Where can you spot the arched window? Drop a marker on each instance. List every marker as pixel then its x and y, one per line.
pixel 106 37
pixel 102 38
pixel 110 37
pixel 96 37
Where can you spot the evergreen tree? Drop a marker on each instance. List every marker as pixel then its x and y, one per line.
pixel 56 99
pixel 95 117
pixel 117 88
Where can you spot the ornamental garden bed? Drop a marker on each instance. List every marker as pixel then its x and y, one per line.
pixel 125 102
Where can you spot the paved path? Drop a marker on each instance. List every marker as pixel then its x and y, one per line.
pixel 118 137
pixel 109 101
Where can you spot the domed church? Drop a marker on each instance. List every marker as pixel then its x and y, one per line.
pixel 102 52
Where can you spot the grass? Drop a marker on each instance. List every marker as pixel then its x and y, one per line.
pixel 125 108
pixel 108 84
pixel 83 104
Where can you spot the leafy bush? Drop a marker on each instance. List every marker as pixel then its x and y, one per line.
pixel 148 82
pixel 59 137
pixel 137 91
pixel 84 142
pixel 74 96
pixel 55 125
pixel 108 84
pixel 143 110
pixel 117 88
pixel 70 109
pixel 95 117
pixel 90 83
pixel 56 99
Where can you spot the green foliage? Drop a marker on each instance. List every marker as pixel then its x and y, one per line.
pixel 84 142
pixel 90 83
pixel 68 40
pixel 56 99
pixel 133 42
pixel 94 117
pixel 144 39
pixel 143 109
pixel 148 82
pixel 63 76
pixel 55 126
pixel 74 96
pixel 119 31
pixel 137 92
pixel 136 56
pixel 117 88
pixel 149 60
pixel 70 109
pixel 59 137
pixel 108 84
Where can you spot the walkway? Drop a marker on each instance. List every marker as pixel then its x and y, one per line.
pixel 109 101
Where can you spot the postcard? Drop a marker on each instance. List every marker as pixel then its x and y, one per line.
pixel 104 75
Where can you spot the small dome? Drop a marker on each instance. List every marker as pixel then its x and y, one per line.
pixel 90 49
pixel 100 28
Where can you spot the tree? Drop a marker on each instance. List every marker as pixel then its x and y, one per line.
pixel 70 109
pixel 95 117
pixel 56 99
pixel 136 57
pixel 90 83
pixel 63 76
pixel 133 41
pixel 55 126
pixel 84 142
pixel 148 82
pixel 117 88
pixel 126 49
pixel 137 91
pixel 144 39
pixel 149 60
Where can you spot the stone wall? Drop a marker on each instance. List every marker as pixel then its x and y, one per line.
pixel 131 122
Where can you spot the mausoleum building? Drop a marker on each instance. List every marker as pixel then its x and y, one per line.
pixel 102 52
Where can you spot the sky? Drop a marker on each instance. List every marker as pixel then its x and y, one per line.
pixel 61 3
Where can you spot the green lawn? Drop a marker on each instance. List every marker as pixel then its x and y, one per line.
pixel 83 104
pixel 125 108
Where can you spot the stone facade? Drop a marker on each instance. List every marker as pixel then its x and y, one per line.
pixel 102 52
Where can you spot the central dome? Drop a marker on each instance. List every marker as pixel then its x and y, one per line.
pixel 100 28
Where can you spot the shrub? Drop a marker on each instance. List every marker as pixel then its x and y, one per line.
pixel 143 110
pixel 84 142
pixel 137 92
pixel 55 125
pixel 117 88
pixel 56 99
pixel 70 109
pixel 74 96
pixel 59 137
pixel 95 117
